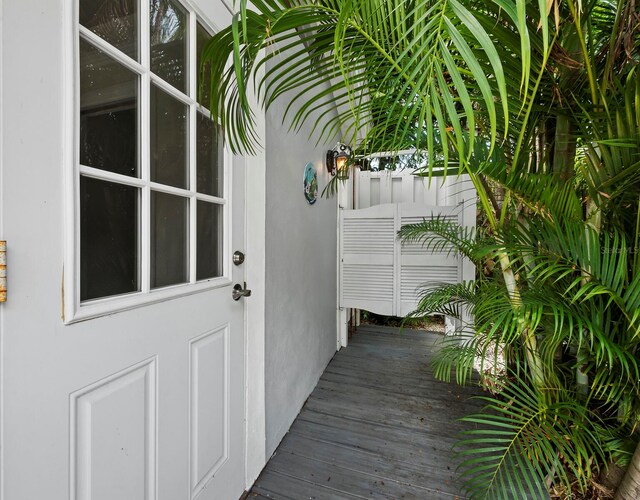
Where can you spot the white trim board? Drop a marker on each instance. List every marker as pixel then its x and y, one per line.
pixel 255 240
pixel 1 236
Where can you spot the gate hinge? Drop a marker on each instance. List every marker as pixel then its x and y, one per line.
pixel 3 271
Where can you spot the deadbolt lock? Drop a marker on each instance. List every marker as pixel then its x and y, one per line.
pixel 238 257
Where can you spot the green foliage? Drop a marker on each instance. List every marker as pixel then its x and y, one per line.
pixel 577 293
pixel 526 429
pixel 573 255
pixel 522 436
pixel 400 72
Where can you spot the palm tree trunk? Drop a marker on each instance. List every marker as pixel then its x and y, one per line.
pixel 564 157
pixel 629 488
pixel 565 149
pixel 536 369
pixel 529 340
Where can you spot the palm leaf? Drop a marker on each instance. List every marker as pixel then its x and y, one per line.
pixel 442 236
pixel 385 62
pixel 524 436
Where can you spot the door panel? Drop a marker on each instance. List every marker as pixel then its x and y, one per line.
pixel 142 402
pixel 113 435
pixel 209 405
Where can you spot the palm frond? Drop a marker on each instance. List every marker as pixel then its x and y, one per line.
pixel 524 436
pixel 396 67
pixel 440 235
pixel 446 299
pixel 541 193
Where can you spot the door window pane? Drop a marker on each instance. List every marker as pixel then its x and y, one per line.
pixel 131 151
pixel 168 139
pixel 168 27
pixel 116 21
pixel 169 239
pixel 209 157
pixel 209 238
pixel 108 238
pixel 204 76
pixel 108 113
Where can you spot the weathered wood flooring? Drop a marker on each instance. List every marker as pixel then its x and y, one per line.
pixel 377 425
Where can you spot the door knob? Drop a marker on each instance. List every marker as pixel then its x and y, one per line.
pixel 239 291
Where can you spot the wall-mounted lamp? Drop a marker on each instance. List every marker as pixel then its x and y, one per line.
pixel 337 159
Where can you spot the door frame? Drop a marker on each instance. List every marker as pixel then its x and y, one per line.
pixel 255 242
pixel 1 237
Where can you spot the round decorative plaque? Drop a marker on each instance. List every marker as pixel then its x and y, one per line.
pixel 310 184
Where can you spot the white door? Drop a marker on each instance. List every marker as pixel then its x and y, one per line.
pixel 122 349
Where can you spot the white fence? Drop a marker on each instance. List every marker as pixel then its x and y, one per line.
pixel 378 188
pixel 377 272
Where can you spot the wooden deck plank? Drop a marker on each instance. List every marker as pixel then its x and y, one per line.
pixel 378 425
pixel 436 396
pixel 392 330
pixel 440 394
pixel 399 443
pixel 284 486
pixel 418 364
pixel 371 463
pixel 256 496
pixel 422 372
pixel 388 382
pixel 400 411
pixel 348 480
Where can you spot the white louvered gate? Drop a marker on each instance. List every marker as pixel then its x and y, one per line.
pixel 369 259
pixel 379 273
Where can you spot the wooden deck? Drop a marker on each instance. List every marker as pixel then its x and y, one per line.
pixel 377 425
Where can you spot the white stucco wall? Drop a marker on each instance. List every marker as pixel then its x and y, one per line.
pixel 300 275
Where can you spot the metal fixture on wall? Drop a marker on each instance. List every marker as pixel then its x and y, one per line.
pixel 338 159
pixel 3 271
